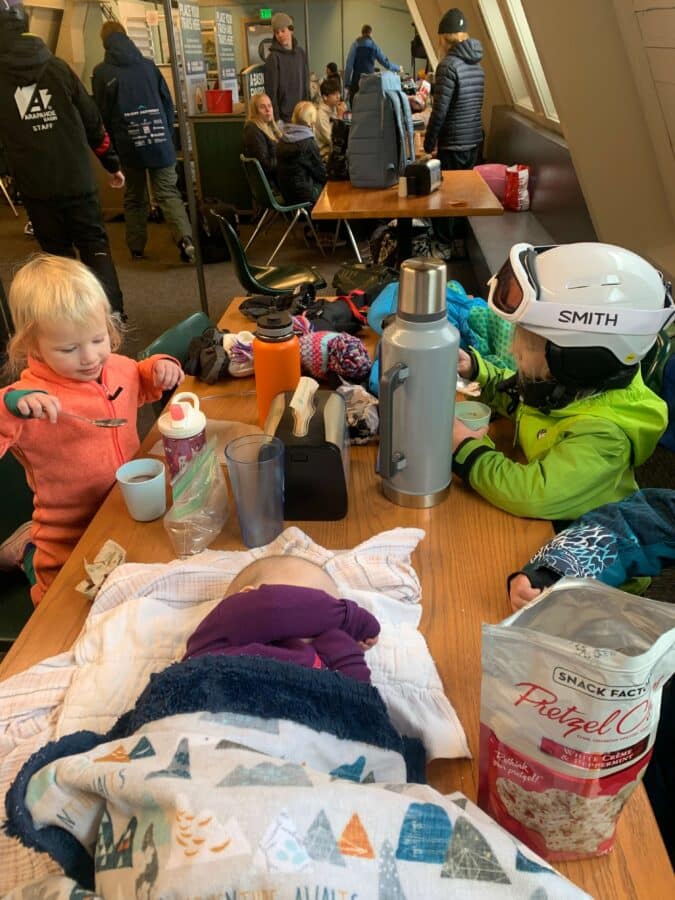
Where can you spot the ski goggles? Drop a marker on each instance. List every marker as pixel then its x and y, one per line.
pixel 515 290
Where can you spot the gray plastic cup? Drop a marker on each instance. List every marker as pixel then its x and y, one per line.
pixel 473 414
pixel 256 466
pixel 143 486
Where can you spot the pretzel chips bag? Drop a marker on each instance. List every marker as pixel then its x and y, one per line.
pixel 570 702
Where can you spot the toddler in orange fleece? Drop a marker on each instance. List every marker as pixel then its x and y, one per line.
pixel 65 336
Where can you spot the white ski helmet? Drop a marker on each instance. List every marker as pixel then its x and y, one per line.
pixel 600 307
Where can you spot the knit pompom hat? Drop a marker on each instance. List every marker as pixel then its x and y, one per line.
pixel 322 352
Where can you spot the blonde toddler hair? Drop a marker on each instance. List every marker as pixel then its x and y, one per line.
pixel 529 351
pixel 282 570
pixel 304 114
pixel 53 289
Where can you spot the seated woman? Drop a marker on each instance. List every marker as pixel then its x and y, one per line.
pixel 261 134
pixel 301 173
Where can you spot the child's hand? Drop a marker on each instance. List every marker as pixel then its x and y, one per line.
pixel 369 642
pixel 40 406
pixel 521 591
pixel 460 432
pixel 167 374
pixel 465 364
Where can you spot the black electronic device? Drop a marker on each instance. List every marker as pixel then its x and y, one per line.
pixel 423 177
pixel 316 468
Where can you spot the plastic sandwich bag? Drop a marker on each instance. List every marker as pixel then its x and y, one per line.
pixel 570 701
pixel 200 504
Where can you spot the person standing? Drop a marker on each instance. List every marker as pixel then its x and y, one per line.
pixel 455 128
pixel 138 111
pixel 363 54
pixel 286 70
pixel 48 124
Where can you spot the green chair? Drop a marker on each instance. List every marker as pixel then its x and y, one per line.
pixel 267 280
pixel 175 341
pixel 265 200
pixel 16 508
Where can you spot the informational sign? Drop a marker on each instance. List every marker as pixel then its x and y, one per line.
pixel 227 68
pixel 265 13
pixel 253 81
pixel 194 65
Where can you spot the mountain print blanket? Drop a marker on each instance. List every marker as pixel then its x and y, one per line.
pixel 242 777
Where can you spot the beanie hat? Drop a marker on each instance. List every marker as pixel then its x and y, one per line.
pixel 322 352
pixel 452 22
pixel 281 20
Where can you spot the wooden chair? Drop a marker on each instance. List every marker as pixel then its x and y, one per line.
pixel 265 199
pixel 267 280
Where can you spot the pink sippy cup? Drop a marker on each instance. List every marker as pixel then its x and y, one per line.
pixel 183 430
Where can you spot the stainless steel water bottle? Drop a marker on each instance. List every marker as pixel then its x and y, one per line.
pixel 418 375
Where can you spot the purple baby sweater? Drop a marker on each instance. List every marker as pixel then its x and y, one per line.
pixel 270 621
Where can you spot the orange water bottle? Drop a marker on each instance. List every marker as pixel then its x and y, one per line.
pixel 276 359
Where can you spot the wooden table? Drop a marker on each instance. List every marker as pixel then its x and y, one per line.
pixel 463 561
pixel 462 193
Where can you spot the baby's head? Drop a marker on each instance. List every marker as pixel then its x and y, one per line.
pixel 57 303
pixel 282 570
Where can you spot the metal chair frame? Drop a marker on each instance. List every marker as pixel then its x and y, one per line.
pixel 264 279
pixel 264 197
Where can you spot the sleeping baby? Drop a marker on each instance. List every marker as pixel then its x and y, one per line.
pixel 286 608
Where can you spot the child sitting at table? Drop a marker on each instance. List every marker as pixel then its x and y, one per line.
pixel 584 315
pixel 286 608
pixel 301 173
pixel 618 543
pixel 65 335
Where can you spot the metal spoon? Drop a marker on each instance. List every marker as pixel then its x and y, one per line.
pixel 100 423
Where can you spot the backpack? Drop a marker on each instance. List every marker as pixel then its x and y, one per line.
pixel 383 242
pixel 211 241
pixel 381 141
pixel 337 161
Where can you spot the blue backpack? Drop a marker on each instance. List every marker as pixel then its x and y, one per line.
pixel 381 142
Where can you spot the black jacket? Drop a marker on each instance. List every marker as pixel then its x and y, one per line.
pixel 48 122
pixel 301 172
pixel 257 145
pixel 455 121
pixel 135 104
pixel 286 79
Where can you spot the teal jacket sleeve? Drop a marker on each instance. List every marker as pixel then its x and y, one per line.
pixel 618 541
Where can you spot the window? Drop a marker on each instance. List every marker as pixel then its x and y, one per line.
pixel 521 67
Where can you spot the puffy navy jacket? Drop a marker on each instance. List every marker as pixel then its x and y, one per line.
pixel 455 121
pixel 300 170
pixel 135 104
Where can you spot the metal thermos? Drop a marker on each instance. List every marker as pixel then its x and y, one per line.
pixel 418 375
